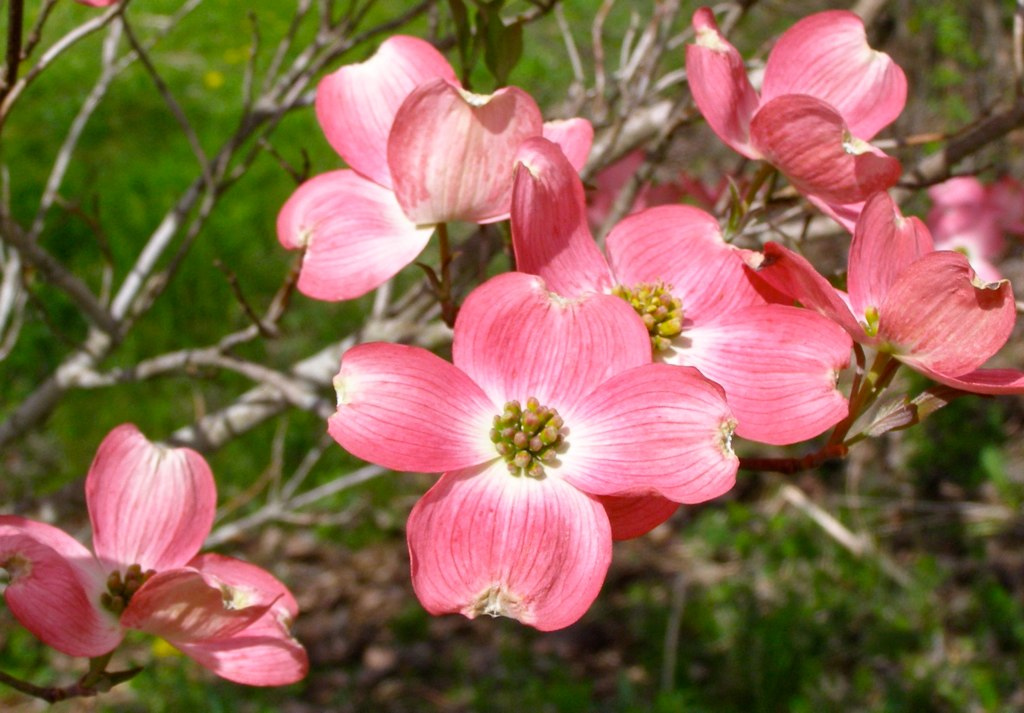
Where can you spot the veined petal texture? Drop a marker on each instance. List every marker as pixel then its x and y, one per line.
pixel 483 541
pixel 779 367
pixel 186 605
pixel 718 80
pixel 940 316
pixel 263 653
pixel 884 245
pixel 656 429
pixel 516 340
pixel 826 55
pixel 150 505
pixel 451 152
pixel 808 141
pixel 408 409
pixel 355 235
pixel 356 104
pixel 790 273
pixel 682 246
pixel 550 235
pixel 54 587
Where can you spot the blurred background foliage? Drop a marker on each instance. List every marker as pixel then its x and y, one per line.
pixel 743 604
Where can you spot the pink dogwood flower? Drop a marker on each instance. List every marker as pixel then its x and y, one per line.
pixel 421 150
pixel 973 218
pixel 825 94
pixel 927 308
pixel 548 403
pixel 151 507
pixel 778 364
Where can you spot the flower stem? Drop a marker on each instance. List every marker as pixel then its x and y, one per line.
pixel 444 286
pixel 95 681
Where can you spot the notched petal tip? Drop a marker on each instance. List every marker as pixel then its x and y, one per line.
pixel 497 601
pixel 725 431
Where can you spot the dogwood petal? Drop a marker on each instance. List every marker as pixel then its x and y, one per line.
pixel 719 84
pixel 807 140
pixel 264 653
pixel 683 247
pixel 778 365
pixel 884 245
pixel 980 381
pixel 451 152
pixel 483 541
pixel 185 605
pixel 635 515
pixel 574 136
pixel 149 505
pixel 516 340
pixel 250 584
pixel 407 409
pixel 939 316
pixel 826 55
pixel 791 274
pixel 356 105
pixel 550 235
pixel 53 588
pixel 355 235
pixel 654 429
pixel 846 214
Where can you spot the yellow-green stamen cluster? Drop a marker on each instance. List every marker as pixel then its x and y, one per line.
pixel 120 589
pixel 661 312
pixel 528 439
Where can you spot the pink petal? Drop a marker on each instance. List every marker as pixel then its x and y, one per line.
pixel 846 214
pixel 356 105
pixel 808 141
pixel 574 136
pixel 981 381
pixel 884 245
pixel 778 365
pixel 451 152
pixel 516 340
pixel 355 235
pixel 483 541
pixel 937 316
pixel 549 223
pixel 262 654
pixel 635 515
pixel 54 587
pixel 683 247
pixel 719 84
pixel 964 216
pixel 827 56
pixel 185 605
pixel 656 429
pixel 792 274
pixel 407 409
pixel 149 505
pixel 253 585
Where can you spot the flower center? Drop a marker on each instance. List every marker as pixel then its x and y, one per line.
pixel 121 588
pixel 661 312
pixel 528 439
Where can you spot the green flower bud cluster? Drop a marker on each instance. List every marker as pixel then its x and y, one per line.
pixel 120 589
pixel 661 312
pixel 528 439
